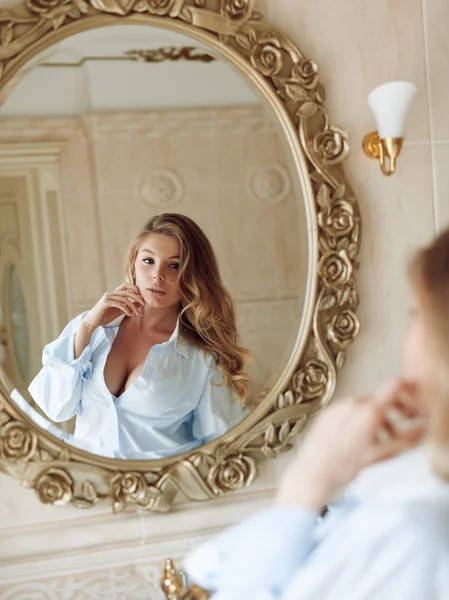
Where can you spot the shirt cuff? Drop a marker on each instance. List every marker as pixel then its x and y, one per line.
pixel 262 552
pixel 62 351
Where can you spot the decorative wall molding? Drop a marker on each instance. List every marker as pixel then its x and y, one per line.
pixel 14 131
pixel 161 186
pixel 148 124
pixel 133 543
pixel 138 581
pixel 39 163
pixel 181 122
pixel 268 185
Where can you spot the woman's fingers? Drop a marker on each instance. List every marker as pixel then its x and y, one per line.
pixel 399 393
pixel 128 286
pixel 350 436
pixel 395 400
pixel 122 306
pixel 135 304
pixel 399 406
pixel 387 393
pixel 391 448
pixel 129 294
pixel 135 309
pixel 401 420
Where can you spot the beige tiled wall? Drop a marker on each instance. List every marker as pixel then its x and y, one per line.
pixel 358 45
pixel 437 50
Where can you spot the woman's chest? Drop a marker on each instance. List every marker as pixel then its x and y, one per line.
pixel 127 356
pixel 124 362
pixel 157 379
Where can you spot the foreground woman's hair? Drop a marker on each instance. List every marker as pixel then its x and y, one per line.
pixel 430 279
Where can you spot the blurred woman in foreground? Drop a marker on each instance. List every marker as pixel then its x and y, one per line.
pixel 388 536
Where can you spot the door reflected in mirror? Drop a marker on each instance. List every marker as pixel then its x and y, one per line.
pixel 152 239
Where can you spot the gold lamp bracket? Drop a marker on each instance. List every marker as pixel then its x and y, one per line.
pixel 371 145
pixel 385 151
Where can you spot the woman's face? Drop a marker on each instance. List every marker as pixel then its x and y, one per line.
pixel 156 270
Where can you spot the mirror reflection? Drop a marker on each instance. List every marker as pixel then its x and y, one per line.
pixel 156 363
pixel 153 243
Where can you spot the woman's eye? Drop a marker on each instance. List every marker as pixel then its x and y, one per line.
pixel 174 266
pixel 148 261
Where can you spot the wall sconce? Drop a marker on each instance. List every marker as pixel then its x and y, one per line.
pixel 389 103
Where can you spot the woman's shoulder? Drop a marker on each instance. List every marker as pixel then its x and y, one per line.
pixel 380 551
pixel 202 359
pixel 412 523
pixel 418 547
pixel 404 530
pixel 428 520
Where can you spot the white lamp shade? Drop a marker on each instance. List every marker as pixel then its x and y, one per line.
pixel 390 103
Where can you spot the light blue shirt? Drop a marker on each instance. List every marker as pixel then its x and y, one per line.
pixel 48 425
pixel 172 407
pixel 388 540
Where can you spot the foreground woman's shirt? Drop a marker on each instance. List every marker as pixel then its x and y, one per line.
pixel 172 407
pixel 389 540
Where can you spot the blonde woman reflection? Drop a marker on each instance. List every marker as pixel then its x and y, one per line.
pixel 155 367
pixel 388 536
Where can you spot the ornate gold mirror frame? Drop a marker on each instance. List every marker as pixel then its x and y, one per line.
pixel 62 474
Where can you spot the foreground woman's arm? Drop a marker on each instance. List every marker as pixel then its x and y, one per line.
pixel 258 558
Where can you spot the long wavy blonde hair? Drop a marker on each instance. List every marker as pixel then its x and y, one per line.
pixel 430 279
pixel 207 312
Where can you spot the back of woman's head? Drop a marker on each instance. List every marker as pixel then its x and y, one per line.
pixel 430 279
pixel 207 312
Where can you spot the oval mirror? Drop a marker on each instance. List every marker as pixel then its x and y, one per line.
pixel 164 297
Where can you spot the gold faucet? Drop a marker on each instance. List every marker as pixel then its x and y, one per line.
pixel 173 586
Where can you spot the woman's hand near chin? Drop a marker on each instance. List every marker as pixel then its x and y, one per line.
pixel 348 436
pixel 125 300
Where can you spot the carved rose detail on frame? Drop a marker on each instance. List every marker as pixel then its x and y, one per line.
pixel 162 8
pixel 335 268
pixel 311 381
pixel 305 73
pixel 266 55
pixel 44 6
pixel 118 7
pixel 337 219
pixel 331 145
pixel 238 10
pixel 132 488
pixel 17 441
pixel 343 328
pixel 54 486
pixel 231 471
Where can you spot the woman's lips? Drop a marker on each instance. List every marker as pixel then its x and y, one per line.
pixel 156 292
